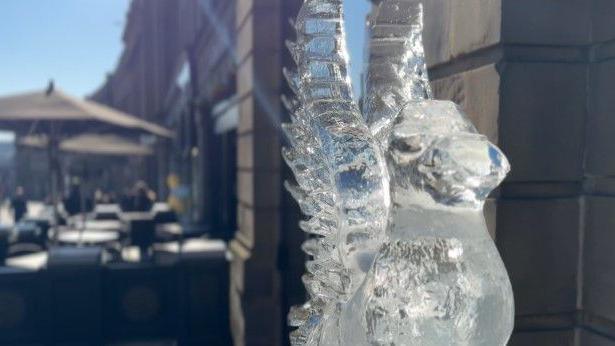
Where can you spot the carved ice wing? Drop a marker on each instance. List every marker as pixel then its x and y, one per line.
pixel 343 185
pixel 396 73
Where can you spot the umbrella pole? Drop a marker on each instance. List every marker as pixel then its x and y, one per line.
pixel 82 187
pixel 53 148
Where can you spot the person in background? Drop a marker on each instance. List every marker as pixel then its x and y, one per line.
pixel 72 202
pixel 126 200
pixel 99 197
pixel 142 197
pixel 178 194
pixel 112 197
pixel 19 205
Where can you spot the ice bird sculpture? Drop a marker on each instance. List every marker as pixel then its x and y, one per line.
pixel 400 253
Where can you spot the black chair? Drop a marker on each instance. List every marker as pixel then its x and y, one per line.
pixel 5 236
pixel 164 214
pixel 43 224
pixel 24 307
pixel 204 293
pixel 74 277
pixel 166 223
pixel 140 302
pixel 141 230
pixel 29 237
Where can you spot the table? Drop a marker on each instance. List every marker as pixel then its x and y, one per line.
pixel 169 231
pixel 88 237
pixel 35 261
pixel 103 225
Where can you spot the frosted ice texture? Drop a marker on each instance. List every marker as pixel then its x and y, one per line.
pixel 399 251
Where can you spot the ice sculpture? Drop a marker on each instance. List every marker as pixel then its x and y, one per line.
pixel 400 254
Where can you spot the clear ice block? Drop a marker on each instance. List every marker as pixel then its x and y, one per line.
pixel 399 250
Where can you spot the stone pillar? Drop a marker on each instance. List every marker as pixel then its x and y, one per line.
pixel 256 316
pixel 538 77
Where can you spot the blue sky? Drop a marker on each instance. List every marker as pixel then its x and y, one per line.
pixel 356 10
pixel 77 42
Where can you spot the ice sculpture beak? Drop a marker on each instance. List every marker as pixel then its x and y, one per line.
pixel 466 167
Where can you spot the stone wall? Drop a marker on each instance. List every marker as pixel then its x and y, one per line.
pixel 537 77
pixel 155 38
pixel 160 37
pixel 256 297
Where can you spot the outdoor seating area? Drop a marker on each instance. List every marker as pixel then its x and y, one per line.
pixel 113 276
pixel 88 262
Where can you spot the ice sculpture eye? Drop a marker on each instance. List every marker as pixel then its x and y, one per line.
pixel 405 150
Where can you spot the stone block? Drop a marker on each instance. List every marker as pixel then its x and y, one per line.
pixel 599 257
pixel 490 212
pixel 258 230
pixel 237 321
pixel 546 22
pixel 246 115
pixel 268 78
pixel 236 288
pixel 254 293
pixel 260 281
pixel 237 269
pixel 436 36
pixel 477 91
pixel 267 151
pixel 603 14
pixel 245 76
pixel 267 116
pixel 245 224
pixel 268 27
pixel 476 24
pixel 260 114
pixel 259 151
pixel 245 187
pixel 267 4
pixel 245 37
pixel 259 189
pixel 267 189
pixel 539 243
pixel 542 120
pixel 267 228
pixel 263 322
pixel 600 186
pixel 544 338
pixel 541 189
pixel 601 121
pixel 243 8
pixel 245 151
pixel 592 339
pixel 605 51
pixel 454 28
pixel 544 322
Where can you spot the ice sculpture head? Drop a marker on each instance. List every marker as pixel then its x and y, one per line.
pixel 435 155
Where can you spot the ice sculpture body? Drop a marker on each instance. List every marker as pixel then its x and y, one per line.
pixel 400 251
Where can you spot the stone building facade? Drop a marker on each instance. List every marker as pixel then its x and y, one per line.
pixel 265 274
pixel 212 70
pixel 536 77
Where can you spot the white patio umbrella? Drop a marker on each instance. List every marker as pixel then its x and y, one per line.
pixel 53 111
pixel 92 144
pixel 57 115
